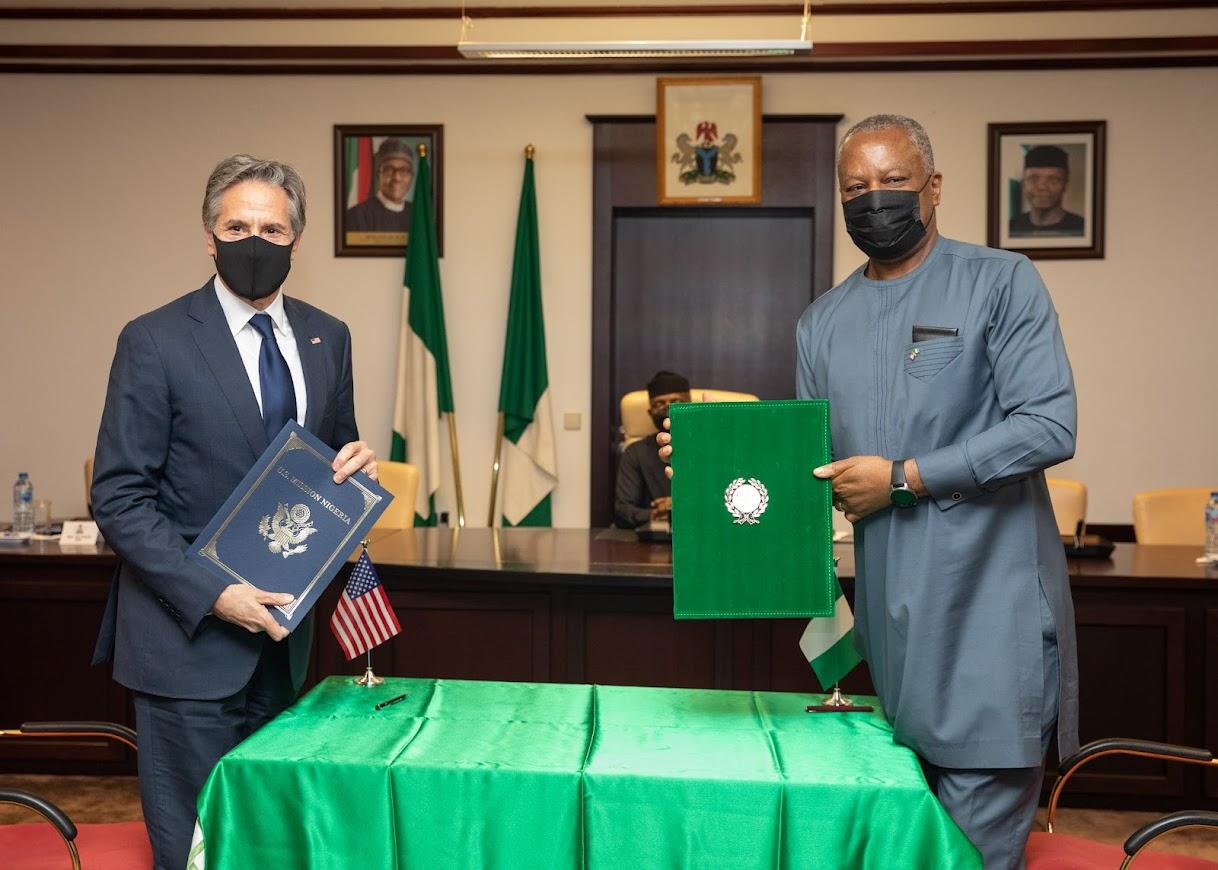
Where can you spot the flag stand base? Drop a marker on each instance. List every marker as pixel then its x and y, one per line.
pixel 369 679
pixel 838 703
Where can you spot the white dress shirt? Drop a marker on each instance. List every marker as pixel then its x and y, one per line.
pixel 249 341
pixel 390 204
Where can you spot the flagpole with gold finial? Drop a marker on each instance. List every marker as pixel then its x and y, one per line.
pixel 529 151
pixel 452 433
pixel 452 441
pixel 490 513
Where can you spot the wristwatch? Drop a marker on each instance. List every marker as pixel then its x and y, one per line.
pixel 902 496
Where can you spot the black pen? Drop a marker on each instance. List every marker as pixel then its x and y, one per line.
pixel 393 700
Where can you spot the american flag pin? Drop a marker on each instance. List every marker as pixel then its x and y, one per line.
pixel 315 340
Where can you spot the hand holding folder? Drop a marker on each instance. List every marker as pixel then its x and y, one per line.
pixel 247 606
pixel 862 485
pixel 287 529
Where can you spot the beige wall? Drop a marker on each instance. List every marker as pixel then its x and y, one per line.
pixel 101 178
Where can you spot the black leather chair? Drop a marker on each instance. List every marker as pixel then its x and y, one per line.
pixel 115 846
pixel 1050 850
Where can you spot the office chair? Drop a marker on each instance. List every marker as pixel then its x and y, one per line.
pixel 636 423
pixel 401 479
pixel 1049 850
pixel 113 846
pixel 1069 499
pixel 1171 516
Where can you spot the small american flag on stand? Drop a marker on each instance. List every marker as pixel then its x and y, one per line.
pixel 364 618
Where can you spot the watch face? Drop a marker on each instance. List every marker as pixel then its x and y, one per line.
pixel 904 497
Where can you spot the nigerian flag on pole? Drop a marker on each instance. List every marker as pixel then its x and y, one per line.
pixel 424 391
pixel 529 469
pixel 828 643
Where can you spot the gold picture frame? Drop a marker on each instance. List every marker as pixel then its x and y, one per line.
pixel 708 140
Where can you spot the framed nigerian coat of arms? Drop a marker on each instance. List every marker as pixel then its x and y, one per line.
pixel 708 140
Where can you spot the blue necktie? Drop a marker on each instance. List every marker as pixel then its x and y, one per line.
pixel 278 394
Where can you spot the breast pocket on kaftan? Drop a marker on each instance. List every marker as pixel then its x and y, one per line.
pixel 925 359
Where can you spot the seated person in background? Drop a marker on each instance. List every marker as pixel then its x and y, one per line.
pixel 644 493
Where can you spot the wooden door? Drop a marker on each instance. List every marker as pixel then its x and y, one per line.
pixel 711 292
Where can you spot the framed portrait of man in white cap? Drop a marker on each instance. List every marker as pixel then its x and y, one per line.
pixel 1046 189
pixel 376 169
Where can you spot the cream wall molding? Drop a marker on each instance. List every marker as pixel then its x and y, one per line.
pixel 1112 53
pixel 542 10
pixel 923 36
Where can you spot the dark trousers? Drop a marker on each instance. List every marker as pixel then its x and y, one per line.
pixel 995 808
pixel 181 740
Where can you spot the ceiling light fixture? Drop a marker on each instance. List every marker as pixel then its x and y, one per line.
pixel 573 44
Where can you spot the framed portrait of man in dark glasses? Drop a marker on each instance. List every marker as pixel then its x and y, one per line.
pixel 376 168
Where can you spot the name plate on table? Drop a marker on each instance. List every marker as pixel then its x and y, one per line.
pixel 288 527
pixel 752 529
pixel 79 533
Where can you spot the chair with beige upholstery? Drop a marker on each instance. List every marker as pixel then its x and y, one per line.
pixel 1069 499
pixel 1171 516
pixel 401 479
pixel 636 422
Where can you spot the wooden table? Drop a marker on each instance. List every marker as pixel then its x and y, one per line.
pixel 595 606
pixel 1148 665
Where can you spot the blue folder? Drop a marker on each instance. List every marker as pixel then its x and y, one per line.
pixel 288 527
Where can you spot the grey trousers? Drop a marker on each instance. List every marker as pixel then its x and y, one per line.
pixel 995 808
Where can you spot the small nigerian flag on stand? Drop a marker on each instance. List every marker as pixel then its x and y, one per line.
pixel 828 643
pixel 364 617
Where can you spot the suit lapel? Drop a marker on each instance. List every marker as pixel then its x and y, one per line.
pixel 220 352
pixel 312 361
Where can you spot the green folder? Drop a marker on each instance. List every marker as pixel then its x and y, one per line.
pixel 752 529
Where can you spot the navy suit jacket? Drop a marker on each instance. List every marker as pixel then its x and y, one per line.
pixel 181 427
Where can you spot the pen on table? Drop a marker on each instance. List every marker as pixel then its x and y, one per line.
pixel 392 700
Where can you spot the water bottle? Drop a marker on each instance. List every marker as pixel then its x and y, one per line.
pixel 1211 528
pixel 23 504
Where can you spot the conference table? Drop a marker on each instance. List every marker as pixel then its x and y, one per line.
pixel 594 606
pixel 485 774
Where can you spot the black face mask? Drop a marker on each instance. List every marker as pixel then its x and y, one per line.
pixel 885 224
pixel 253 268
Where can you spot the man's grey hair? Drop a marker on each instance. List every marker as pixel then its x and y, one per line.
pixel 242 167
pixel 915 131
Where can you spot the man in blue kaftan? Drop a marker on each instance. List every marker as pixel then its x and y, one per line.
pixel 950 394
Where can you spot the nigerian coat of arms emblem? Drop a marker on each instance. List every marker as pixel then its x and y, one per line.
pixel 704 158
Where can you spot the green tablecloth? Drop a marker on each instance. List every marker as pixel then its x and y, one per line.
pixel 506 775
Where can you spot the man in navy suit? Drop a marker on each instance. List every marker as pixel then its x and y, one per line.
pixel 197 390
